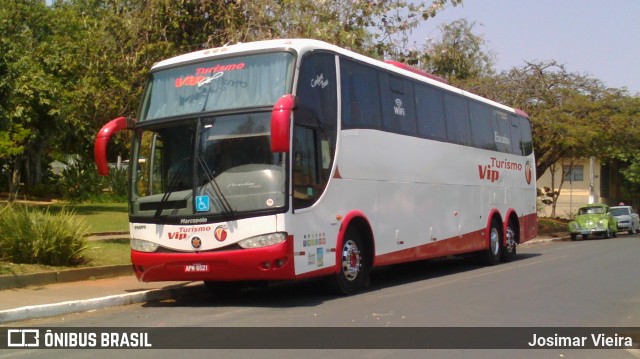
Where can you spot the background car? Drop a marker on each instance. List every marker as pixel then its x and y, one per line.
pixel 626 218
pixel 593 219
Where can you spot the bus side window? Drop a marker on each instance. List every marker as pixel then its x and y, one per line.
pixel 502 131
pixel 360 95
pixel 398 104
pixel 457 114
pixel 527 140
pixel 481 128
pixel 430 110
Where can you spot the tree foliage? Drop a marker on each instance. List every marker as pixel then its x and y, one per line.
pixel 68 67
pixel 459 55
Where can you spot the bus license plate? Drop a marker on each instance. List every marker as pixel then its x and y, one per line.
pixel 196 268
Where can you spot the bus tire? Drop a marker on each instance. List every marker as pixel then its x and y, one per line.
pixel 354 264
pixel 491 255
pixel 509 250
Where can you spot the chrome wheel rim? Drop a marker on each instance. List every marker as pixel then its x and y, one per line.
pixel 511 243
pixel 494 241
pixel 351 260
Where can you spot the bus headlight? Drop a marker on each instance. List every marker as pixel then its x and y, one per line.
pixel 143 246
pixel 263 240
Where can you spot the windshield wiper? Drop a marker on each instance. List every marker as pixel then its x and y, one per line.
pixel 171 187
pixel 208 81
pixel 227 210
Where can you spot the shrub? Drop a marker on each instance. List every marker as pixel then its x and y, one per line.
pixel 80 181
pixel 33 236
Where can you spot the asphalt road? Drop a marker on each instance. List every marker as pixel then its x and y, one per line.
pixel 593 283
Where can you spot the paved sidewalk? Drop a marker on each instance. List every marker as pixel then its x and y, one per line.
pixel 62 298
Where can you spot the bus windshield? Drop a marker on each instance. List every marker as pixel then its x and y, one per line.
pixel 217 85
pixel 212 166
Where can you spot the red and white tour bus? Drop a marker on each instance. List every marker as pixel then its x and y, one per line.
pixel 291 159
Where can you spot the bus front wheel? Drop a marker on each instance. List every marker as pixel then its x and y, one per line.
pixel 354 264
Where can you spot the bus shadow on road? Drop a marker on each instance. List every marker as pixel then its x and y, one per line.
pixel 406 273
pixel 313 292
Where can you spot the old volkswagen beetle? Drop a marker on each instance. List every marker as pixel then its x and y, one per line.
pixel 593 219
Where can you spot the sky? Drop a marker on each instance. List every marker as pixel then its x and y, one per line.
pixel 599 38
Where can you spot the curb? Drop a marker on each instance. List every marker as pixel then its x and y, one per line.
pixel 76 306
pixel 64 276
pixel 541 240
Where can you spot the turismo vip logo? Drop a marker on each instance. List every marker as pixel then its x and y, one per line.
pixel 490 172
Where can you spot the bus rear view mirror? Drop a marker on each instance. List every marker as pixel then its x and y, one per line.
pixel 102 139
pixel 281 124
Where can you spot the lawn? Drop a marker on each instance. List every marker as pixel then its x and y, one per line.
pixel 98 253
pixel 101 217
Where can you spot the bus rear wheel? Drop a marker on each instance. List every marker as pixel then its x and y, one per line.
pixel 509 250
pixel 491 255
pixel 354 264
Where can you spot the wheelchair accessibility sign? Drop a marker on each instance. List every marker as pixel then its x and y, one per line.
pixel 202 204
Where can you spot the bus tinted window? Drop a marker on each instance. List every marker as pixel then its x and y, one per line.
pixel 481 126
pixel 430 112
pixel 398 108
pixel 516 135
pixel 525 141
pixel 360 95
pixel 457 114
pixel 502 131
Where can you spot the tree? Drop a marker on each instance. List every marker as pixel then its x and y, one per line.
pixel 68 66
pixel 31 87
pixel 459 54
pixel 372 27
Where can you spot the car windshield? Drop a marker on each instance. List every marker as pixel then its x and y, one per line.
pixel 591 210
pixel 620 211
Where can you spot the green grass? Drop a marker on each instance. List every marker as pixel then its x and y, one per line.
pixel 101 217
pixel 107 252
pixel 98 253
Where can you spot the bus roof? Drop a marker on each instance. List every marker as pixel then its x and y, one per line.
pixel 304 45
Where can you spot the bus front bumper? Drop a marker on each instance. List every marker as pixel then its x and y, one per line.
pixel 267 263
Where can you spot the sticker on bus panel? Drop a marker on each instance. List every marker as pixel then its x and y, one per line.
pixel 202 203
